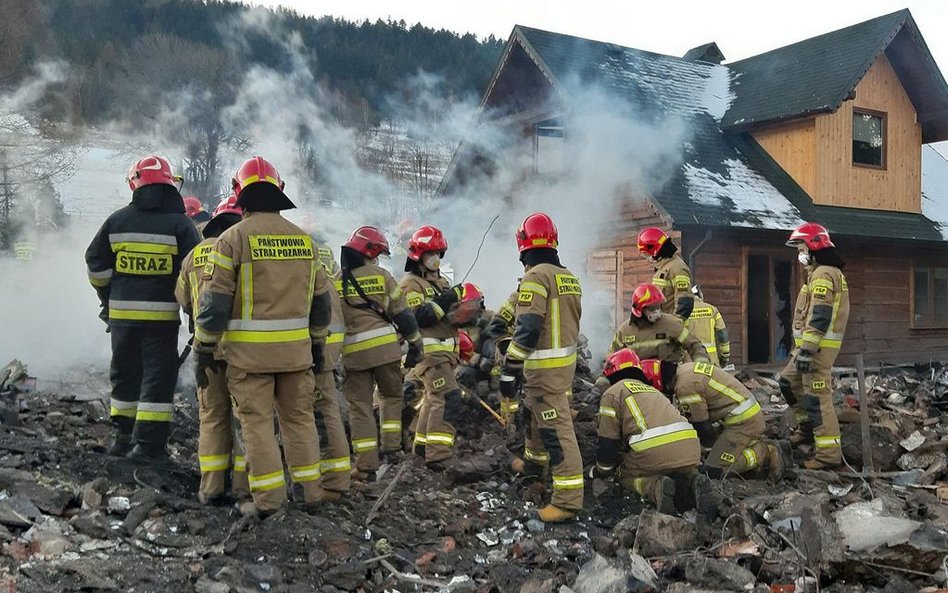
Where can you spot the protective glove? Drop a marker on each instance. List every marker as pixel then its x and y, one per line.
pixel 804 361
pixel 488 349
pixel 449 297
pixel 104 316
pixel 408 392
pixel 467 376
pixel 414 355
pixel 723 361
pixel 204 362
pixel 511 377
pixel 706 433
pixel 318 361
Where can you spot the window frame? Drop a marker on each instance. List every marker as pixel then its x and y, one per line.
pixel 885 138
pixel 553 124
pixel 932 323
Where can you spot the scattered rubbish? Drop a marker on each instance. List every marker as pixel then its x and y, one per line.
pixel 913 441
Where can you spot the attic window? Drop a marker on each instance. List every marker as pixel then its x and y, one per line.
pixel 548 147
pixel 869 138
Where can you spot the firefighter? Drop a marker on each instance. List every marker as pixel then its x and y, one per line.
pixel 645 443
pixel 219 445
pixel 542 359
pixel 267 302
pixel 707 325
pixel 133 263
pixel 375 313
pixel 652 333
pixel 335 464
pixel 672 275
pixel 323 250
pixel 196 212
pixel 707 395
pixel 430 297
pixel 471 318
pixel 819 322
pixel 500 329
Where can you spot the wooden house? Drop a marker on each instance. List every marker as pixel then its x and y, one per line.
pixel 833 129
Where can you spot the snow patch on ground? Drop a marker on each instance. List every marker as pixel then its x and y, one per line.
pixel 935 188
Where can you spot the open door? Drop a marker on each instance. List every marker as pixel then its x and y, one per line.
pixel 769 310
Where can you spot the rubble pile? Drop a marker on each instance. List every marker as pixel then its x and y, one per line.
pixel 74 519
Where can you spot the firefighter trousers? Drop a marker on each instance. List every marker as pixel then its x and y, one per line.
pixel 220 446
pixel 144 372
pixel 738 448
pixel 439 413
pixel 290 395
pixel 358 388
pixel 646 484
pixel 551 441
pixel 811 396
pixel 334 462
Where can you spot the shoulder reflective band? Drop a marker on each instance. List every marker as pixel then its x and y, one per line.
pixel 635 411
pixel 372 338
pixel 219 259
pixel 662 435
pixel 280 247
pixel 607 411
pixel 144 243
pixel 660 282
pixel 551 358
pixel 682 282
pixel 567 284
pixel 528 287
pixel 143 310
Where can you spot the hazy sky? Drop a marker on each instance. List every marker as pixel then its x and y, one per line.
pixel 741 28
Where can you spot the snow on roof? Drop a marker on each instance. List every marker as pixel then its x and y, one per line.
pixel 935 188
pixel 742 191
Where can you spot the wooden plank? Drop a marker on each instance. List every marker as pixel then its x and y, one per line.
pixel 793 146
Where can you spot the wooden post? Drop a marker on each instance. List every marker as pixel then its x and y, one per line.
pixel 864 416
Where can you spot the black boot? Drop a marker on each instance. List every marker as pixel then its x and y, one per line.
pixel 148 452
pixel 120 446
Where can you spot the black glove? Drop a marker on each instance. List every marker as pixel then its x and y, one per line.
pixel 467 376
pixel 204 362
pixel 409 389
pixel 723 361
pixel 489 349
pixel 706 433
pixel 448 297
pixel 511 378
pixel 317 349
pixel 804 361
pixel 104 316
pixel 414 355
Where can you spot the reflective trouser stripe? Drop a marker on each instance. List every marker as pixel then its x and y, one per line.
pixel 751 458
pixel 240 463
pixel 662 435
pixel 568 482
pixel 363 445
pixel 538 456
pixel 421 439
pixel 214 463
pixel 266 482
pixel 827 442
pixel 551 358
pixel 430 345
pixel 121 408
pixel 338 464
pixel 305 473
pixel 392 426
pixel 154 412
pixel 440 438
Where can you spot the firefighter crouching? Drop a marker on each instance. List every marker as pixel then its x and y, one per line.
pixel 672 275
pixel 651 333
pixel 430 297
pixel 267 302
pixel 819 323
pixel 705 394
pixel 646 443
pixel 375 313
pixel 219 443
pixel 541 358
pixel 133 262
pixel 707 326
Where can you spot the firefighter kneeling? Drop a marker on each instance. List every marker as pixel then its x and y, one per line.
pixel 646 443
pixel 706 394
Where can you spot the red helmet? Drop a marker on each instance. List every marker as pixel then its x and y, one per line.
pixel 651 240
pixel 369 241
pixel 425 239
pixel 620 359
pixel 646 295
pixel 537 230
pixel 470 305
pixel 192 206
pixel 814 236
pixel 465 346
pixel 229 205
pixel 150 170
pixel 652 367
pixel 471 293
pixel 256 170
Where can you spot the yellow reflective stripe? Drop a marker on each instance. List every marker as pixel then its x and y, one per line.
pixel 363 445
pixel 555 322
pixel 124 412
pixel 371 343
pixel 150 416
pixel 827 442
pixel 440 438
pixel 822 282
pixel 265 337
pixel 645 344
pixel 538 456
pixel 201 335
pixel 246 291
pixel 396 292
pixel 266 482
pixel 607 411
pixel 435 345
pixel 683 336
pixel 143 315
pixel 711 348
pixel 811 337
pixel 693 398
pixel 574 482
pixel 240 463
pixel 392 426
pixel 665 439
pixel 219 259
pixel 660 282
pixel 214 463
pixel 305 473
pixel 725 390
pixel 193 281
pixel 516 351
pixel 438 311
pixel 638 484
pixel 312 281
pixel 549 363
pixel 742 415
pixel 533 287
pixel 420 439
pixel 137 247
pixel 509 406
pixel 636 413
pixel 335 465
pixel 335 338
pixel 751 458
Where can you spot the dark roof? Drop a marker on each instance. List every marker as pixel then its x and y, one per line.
pixel 816 75
pixel 708 52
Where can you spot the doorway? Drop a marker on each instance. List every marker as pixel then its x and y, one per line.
pixel 769 308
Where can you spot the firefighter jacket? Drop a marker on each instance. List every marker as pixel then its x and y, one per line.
pixel 546 331
pixel 477 331
pixel 439 337
pixel 337 333
pixel 134 259
pixel 371 337
pixel 501 323
pixel 822 309
pixel 266 298
pixel 191 279
pixel 707 326
pixel 705 392
pixel 642 430
pixel 674 278
pixel 666 339
pixel 326 259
